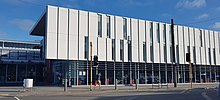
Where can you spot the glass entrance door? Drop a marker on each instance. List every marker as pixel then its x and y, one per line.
pixel 11 73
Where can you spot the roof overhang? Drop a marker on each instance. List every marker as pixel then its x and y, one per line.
pixel 39 28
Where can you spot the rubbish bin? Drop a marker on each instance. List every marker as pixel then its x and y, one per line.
pixel 28 83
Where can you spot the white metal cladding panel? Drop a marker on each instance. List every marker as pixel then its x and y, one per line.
pixel 207 56
pixel 102 49
pixel 216 40
pixel 156 53
pixel 168 42
pixel 191 33
pixel 197 38
pixel 104 26
pixel 141 38
pixel 93 32
pixel 83 31
pixel 155 32
pixel 211 39
pixel 192 54
pixel 212 56
pixel 203 56
pixel 217 56
pixel 125 51
pixel 134 41
pixel 119 27
pixel 176 34
pixel 207 38
pixel 180 35
pixel 147 31
pixel 186 36
pixel 63 34
pixel 128 27
pixel 112 27
pixel 161 53
pixel 161 33
pixel 73 34
pixel 198 57
pixel 83 23
pixel 51 35
pixel 203 39
pixel 148 52
pixel 109 49
pixel 117 45
pixel 181 54
pixel 81 47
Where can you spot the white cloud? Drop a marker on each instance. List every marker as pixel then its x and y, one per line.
pixel 216 25
pixel 203 16
pixel 189 4
pixel 23 24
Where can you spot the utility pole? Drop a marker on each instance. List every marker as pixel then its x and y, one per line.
pixel 90 66
pixel 173 49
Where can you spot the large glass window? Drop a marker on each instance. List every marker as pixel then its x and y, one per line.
pixel 177 54
pixel 129 50
pixel 125 28
pixel 11 73
pixel 22 55
pixel 165 52
pixel 164 33
pixel 200 37
pixel 214 56
pixel 1 44
pixel 158 32
pixel 209 52
pixel 170 34
pixel 99 25
pixel 86 47
pixel 171 53
pixel 113 49
pixel 151 52
pixel 151 32
pixel 144 52
pixel 108 27
pixel 194 54
pixel 13 54
pixel 121 50
pixel 2 73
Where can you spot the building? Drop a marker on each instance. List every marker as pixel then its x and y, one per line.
pixel 20 60
pixel 127 48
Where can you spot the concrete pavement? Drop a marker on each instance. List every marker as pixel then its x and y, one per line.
pixel 84 90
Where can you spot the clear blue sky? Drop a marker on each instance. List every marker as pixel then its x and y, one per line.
pixel 18 16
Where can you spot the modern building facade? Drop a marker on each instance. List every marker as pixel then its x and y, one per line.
pixel 20 60
pixel 127 48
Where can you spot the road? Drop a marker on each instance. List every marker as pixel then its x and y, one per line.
pixel 190 94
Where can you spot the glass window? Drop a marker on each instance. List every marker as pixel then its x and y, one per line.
pixel 99 25
pixel 125 28
pixel 108 27
pixel 13 54
pixel 113 49
pixel 214 56
pixel 1 44
pixel 201 37
pixel 86 47
pixel 144 52
pixel 30 55
pixel 121 50
pixel 170 35
pixel 171 54
pixel 151 32
pixel 151 52
pixel 165 52
pixel 209 52
pixel 129 50
pixel 22 55
pixel 2 73
pixel 177 54
pixel 158 32
pixel 164 34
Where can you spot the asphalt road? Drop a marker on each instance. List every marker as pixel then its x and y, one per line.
pixel 194 94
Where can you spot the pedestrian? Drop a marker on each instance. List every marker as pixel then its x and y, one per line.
pixel 99 80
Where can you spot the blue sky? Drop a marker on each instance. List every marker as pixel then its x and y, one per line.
pixel 18 16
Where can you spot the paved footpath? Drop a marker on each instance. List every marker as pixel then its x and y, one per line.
pixel 19 91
